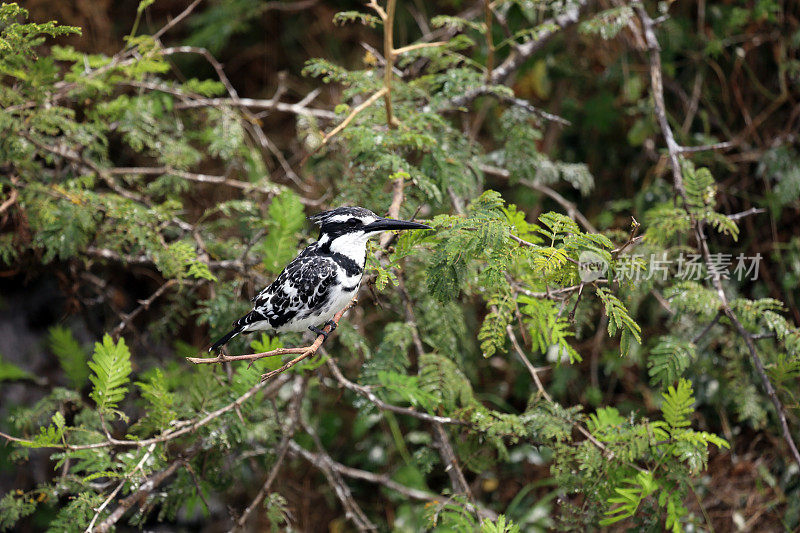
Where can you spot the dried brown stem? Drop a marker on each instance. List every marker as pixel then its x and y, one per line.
pixel 394 208
pixel 631 240
pixel 389 54
pixel 12 197
pixel 487 14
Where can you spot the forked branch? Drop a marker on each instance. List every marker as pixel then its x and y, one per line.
pixel 305 352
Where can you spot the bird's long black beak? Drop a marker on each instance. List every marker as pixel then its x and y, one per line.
pixel 388 224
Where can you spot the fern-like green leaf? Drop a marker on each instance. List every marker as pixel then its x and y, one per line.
pixel 678 405
pixel 70 354
pixel 111 364
pixel 627 499
pixel 668 359
pixel 618 317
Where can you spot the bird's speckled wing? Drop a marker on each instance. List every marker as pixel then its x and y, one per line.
pixel 303 288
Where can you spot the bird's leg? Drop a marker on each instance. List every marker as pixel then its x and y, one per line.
pixel 319 332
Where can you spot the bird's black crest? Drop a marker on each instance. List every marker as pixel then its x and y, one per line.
pixel 326 216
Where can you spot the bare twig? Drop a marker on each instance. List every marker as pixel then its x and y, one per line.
pixel 417 46
pixel 172 23
pixel 216 65
pixel 352 509
pixel 706 147
pixel 270 190
pixel 103 505
pixel 185 427
pixel 108 500
pixel 490 49
pixel 380 404
pixel 12 197
pixel 706 329
pixel 381 60
pixel 527 363
pixel 631 240
pixel 355 473
pixel 602 447
pixel 747 213
pixel 572 210
pixel 146 488
pixel 389 54
pixel 450 461
pixel 378 9
pixel 464 99
pixel 394 208
pixel 342 125
pixel 379 479
pixel 522 52
pixel 256 104
pixel 143 305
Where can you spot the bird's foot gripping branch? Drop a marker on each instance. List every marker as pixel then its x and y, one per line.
pixel 304 352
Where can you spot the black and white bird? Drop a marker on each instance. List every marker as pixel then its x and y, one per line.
pixel 320 281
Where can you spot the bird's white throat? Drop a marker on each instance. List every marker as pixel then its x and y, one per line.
pixel 353 245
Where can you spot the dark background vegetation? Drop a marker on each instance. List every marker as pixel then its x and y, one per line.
pixel 732 73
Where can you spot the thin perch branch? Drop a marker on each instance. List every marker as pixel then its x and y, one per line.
pixel 304 352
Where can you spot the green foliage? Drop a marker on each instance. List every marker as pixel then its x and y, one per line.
pixel 547 327
pixel 49 436
pixel 17 505
pixel 11 372
pixel 608 23
pixel 501 525
pixel 111 367
pixel 71 356
pixel 482 232
pixel 23 38
pixel 669 358
pixel 159 402
pixel 619 320
pixel 344 17
pixel 122 169
pixel 286 217
pixel 628 498
pixel 692 297
pixel 678 404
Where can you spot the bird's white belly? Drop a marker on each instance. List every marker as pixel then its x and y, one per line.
pixel 337 300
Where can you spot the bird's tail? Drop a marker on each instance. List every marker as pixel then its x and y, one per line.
pixel 224 340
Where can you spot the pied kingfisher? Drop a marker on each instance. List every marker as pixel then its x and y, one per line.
pixel 320 281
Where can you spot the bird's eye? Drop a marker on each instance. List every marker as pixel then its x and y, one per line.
pixel 354 221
